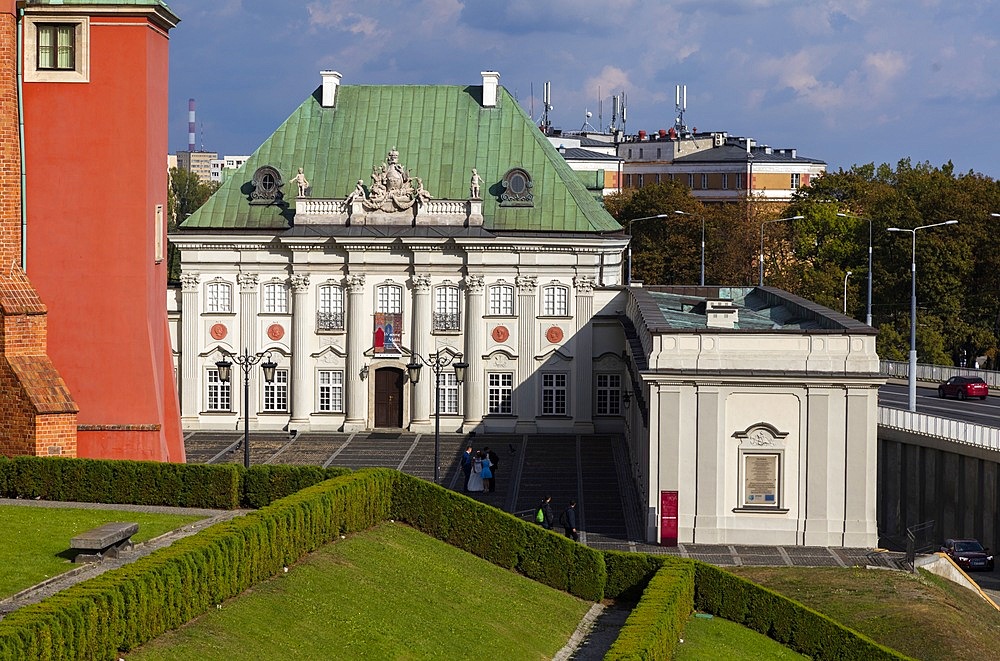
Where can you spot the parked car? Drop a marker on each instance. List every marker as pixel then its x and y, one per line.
pixel 964 387
pixel 968 554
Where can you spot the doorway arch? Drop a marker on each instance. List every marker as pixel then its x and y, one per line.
pixel 389 397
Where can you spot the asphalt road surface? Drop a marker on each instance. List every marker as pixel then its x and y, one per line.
pixel 981 412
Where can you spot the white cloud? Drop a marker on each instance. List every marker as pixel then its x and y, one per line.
pixel 339 15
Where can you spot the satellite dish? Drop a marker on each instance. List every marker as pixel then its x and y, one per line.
pixel 589 114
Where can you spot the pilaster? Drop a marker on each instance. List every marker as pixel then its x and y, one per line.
pixel 527 399
pixel 356 394
pixel 190 313
pixel 473 389
pixel 421 346
pixel 583 340
pixel 301 382
pixel 249 287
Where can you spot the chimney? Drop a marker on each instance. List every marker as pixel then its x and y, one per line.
pixel 491 81
pixel 721 314
pixel 191 126
pixel 331 81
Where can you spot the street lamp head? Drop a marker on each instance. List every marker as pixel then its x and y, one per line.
pixel 995 215
pixel 269 367
pixel 225 368
pixel 413 371
pixel 796 218
pixel 460 368
pixel 950 222
pixel 895 229
pixel 681 213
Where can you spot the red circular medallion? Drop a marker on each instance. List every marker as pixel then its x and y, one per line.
pixel 554 334
pixel 219 331
pixel 500 333
pixel 275 332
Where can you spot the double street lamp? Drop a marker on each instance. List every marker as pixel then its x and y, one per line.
pixel 702 279
pixel 437 362
pixel 628 250
pixel 761 260
pixel 868 309
pixel 246 360
pixel 912 372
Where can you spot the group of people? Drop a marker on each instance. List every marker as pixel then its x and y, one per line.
pixel 544 518
pixel 480 469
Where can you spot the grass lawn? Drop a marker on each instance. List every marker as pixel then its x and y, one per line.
pixel 711 639
pixel 924 616
pixel 38 539
pixel 387 593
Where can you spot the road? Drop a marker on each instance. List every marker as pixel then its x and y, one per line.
pixel 981 412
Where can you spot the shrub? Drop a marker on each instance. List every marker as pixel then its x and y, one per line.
pixel 656 623
pixel 262 485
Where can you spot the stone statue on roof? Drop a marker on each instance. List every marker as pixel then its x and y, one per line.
pixel 358 194
pixel 392 189
pixel 302 182
pixel 474 184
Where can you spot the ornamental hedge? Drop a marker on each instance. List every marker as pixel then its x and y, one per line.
pixel 655 625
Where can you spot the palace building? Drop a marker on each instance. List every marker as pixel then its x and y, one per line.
pixel 384 226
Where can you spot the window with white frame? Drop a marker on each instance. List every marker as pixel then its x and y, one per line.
pixel 56 46
pixel 446 313
pixel 740 181
pixel 57 49
pixel 331 391
pixel 796 180
pixel 389 299
pixel 499 393
pixel 725 181
pixel 704 181
pixel 641 181
pixel 555 301
pixel 691 181
pixel 609 394
pixel 502 300
pixel 218 297
pixel 330 308
pixel 554 390
pixel 218 392
pixel 448 394
pixel 275 298
pixel 276 393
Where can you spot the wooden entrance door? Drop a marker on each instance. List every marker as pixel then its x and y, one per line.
pixel 389 397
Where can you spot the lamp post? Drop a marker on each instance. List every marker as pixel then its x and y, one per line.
pixel 246 361
pixel 437 362
pixel 761 262
pixel 628 250
pixel 912 372
pixel 868 309
pixel 846 276
pixel 702 279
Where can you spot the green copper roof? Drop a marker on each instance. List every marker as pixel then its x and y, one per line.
pixel 440 132
pixel 124 3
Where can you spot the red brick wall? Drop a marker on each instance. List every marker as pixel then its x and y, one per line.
pixel 37 414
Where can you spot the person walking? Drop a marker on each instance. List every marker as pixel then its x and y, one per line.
pixel 568 521
pixel 487 471
pixel 494 464
pixel 543 515
pixel 467 466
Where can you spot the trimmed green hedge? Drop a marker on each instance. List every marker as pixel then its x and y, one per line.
pixel 656 623
pixel 122 609
pixel 500 538
pixel 790 623
pixel 216 486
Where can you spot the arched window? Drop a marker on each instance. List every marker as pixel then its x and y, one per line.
pixel 330 308
pixel 218 297
pixel 555 301
pixel 275 298
pixel 389 299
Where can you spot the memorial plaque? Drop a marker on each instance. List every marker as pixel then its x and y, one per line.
pixel 760 480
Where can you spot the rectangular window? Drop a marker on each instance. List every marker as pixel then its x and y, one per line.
pixel 276 393
pixel 641 181
pixel 640 153
pixel 218 392
pixel 158 233
pixel 609 394
pixel 500 388
pixel 389 299
pixel 796 180
pixel 502 300
pixel 57 46
pixel 740 179
pixel 446 316
pixel 275 298
pixel 725 181
pixel 448 399
pixel 331 391
pixel 553 394
pixel 330 312
pixel 657 153
pixel 218 297
pixel 555 301
pixel 691 181
pixel 657 177
pixel 704 181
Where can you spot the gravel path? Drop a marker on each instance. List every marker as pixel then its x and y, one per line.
pixel 84 572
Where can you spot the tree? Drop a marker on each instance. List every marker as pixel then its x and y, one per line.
pixel 186 195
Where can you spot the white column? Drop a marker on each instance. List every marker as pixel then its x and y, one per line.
pixel 357 342
pixel 474 347
pixel 248 339
pixel 191 379
pixel 527 388
pixel 583 340
pixel 302 377
pixel 421 326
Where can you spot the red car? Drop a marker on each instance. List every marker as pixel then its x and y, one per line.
pixel 964 387
pixel 968 554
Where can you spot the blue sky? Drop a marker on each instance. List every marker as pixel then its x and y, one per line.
pixel 845 81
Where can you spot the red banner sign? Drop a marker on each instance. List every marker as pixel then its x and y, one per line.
pixel 668 518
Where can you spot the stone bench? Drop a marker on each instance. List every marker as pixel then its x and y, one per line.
pixel 104 541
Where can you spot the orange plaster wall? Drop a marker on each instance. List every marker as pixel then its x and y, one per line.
pixel 95 163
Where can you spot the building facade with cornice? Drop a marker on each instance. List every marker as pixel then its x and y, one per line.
pixel 382 226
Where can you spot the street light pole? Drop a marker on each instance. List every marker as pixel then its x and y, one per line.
pixel 846 276
pixel 246 361
pixel 911 377
pixel 437 362
pixel 628 250
pixel 761 260
pixel 702 279
pixel 868 309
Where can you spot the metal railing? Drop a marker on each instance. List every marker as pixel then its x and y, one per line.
pixel 937 373
pixel 447 321
pixel 329 321
pixel 957 431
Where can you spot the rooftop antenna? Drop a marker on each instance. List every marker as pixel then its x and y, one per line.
pixel 586 122
pixel 546 124
pixel 624 110
pixel 531 95
pixel 600 110
pixel 201 128
pixel 680 105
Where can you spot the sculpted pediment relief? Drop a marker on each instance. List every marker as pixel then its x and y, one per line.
pixel 761 434
pixel 392 189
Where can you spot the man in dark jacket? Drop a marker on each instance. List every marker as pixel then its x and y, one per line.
pixel 568 521
pixel 494 464
pixel 545 507
pixel 467 466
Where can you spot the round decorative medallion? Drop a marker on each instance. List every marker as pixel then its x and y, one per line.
pixel 500 333
pixel 554 334
pixel 275 332
pixel 219 331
